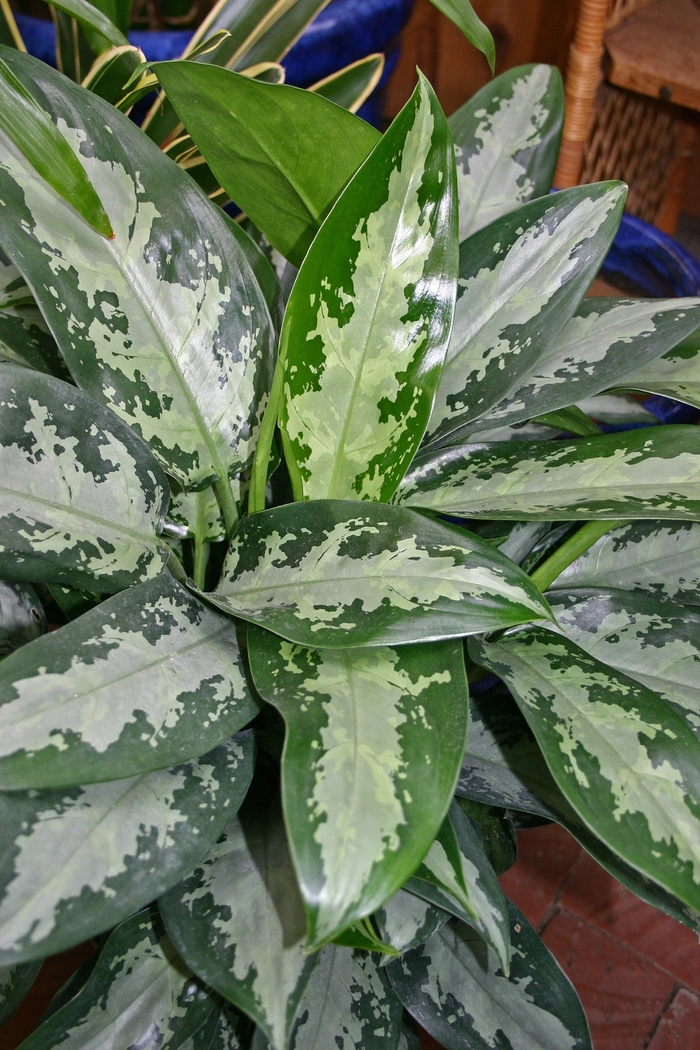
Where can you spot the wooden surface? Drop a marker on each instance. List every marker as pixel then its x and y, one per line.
pixel 656 52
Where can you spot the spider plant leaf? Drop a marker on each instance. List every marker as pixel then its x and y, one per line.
pixel 100 530
pixel 111 71
pixel 651 557
pixel 138 992
pixel 648 473
pixel 506 142
pixel 281 153
pixel 595 351
pixel 353 85
pixel 76 861
pixel 455 988
pixel 336 573
pixel 373 745
pixel 166 322
pixel 521 279
pixel 147 679
pixel 368 319
pixel 465 18
pixel 626 762
pixel 245 892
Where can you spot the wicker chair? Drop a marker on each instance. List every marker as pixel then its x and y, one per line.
pixel 638 136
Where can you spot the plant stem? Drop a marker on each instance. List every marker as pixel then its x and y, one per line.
pixel 258 476
pixel 201 547
pixel 222 489
pixel 545 575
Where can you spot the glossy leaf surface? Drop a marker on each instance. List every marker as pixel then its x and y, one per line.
pixel 650 473
pixel 465 18
pixel 654 641
pixel 368 320
pixel 454 987
pixel 165 322
pixel 353 85
pixel 338 573
pixel 595 351
pixel 139 994
pixel 148 679
pixel 82 497
pixel 406 920
pixel 506 142
pixel 281 153
pixel 372 751
pixel 112 70
pixel 22 618
pixel 77 861
pixel 626 762
pixel 238 920
pixel 657 558
pixel 15 982
pixel 520 280
pixel 676 374
pixel 102 29
pixel 24 336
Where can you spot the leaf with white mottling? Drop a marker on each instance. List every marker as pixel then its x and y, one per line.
pixel 24 336
pixel 76 861
pixel 338 573
pixel 15 982
pixel 653 640
pixel 600 345
pixel 147 679
pixel 658 558
pixel 372 751
pixel 506 143
pixel 406 920
pixel 369 317
pixel 676 374
pixel 138 995
pixel 196 515
pixel 22 618
pixel 166 321
pixel 626 762
pixel 82 498
pixel 457 864
pixel 616 409
pixel 238 920
pixel 453 986
pixel 520 280
pixel 647 473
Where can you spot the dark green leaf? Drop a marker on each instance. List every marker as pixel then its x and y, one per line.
pixel 372 751
pixel 406 920
pixel 15 982
pixel 74 56
pixel 147 679
pixel 496 831
pixel 453 986
pixel 647 473
pixel 571 420
pixel 368 319
pixel 112 70
pixel 353 85
pixel 76 861
pixel 99 28
pixel 22 618
pixel 10 35
pixel 338 573
pixel 465 18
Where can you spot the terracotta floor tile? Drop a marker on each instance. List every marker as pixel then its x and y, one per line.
pixel 546 855
pixel 597 897
pixel 622 993
pixel 680 1026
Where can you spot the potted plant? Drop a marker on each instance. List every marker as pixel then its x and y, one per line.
pixel 286 542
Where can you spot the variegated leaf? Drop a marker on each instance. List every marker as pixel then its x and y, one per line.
pixel 238 920
pixel 653 640
pixel 457 864
pixel 348 1003
pixel 454 987
pixel 22 618
pixel 616 409
pixel 496 832
pixel 626 762
pixel 338 573
pixel 369 317
pixel 600 345
pixel 147 679
pixel 372 751
pixel 15 982
pixel 82 498
pixel 166 321
pixel 638 474
pixel 282 154
pixel 353 85
pixel 24 336
pixel 405 920
pixel 196 515
pixel 520 280
pixel 139 995
pixel 506 141
pixel 76 861
pixel 504 766
pixel 658 558
pixel 676 374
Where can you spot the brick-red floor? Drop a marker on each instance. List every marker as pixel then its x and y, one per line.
pixel 637 971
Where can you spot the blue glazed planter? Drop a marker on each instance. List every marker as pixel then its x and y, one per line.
pixel 342 33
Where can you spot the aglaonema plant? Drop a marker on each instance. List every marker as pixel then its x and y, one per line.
pixel 282 535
